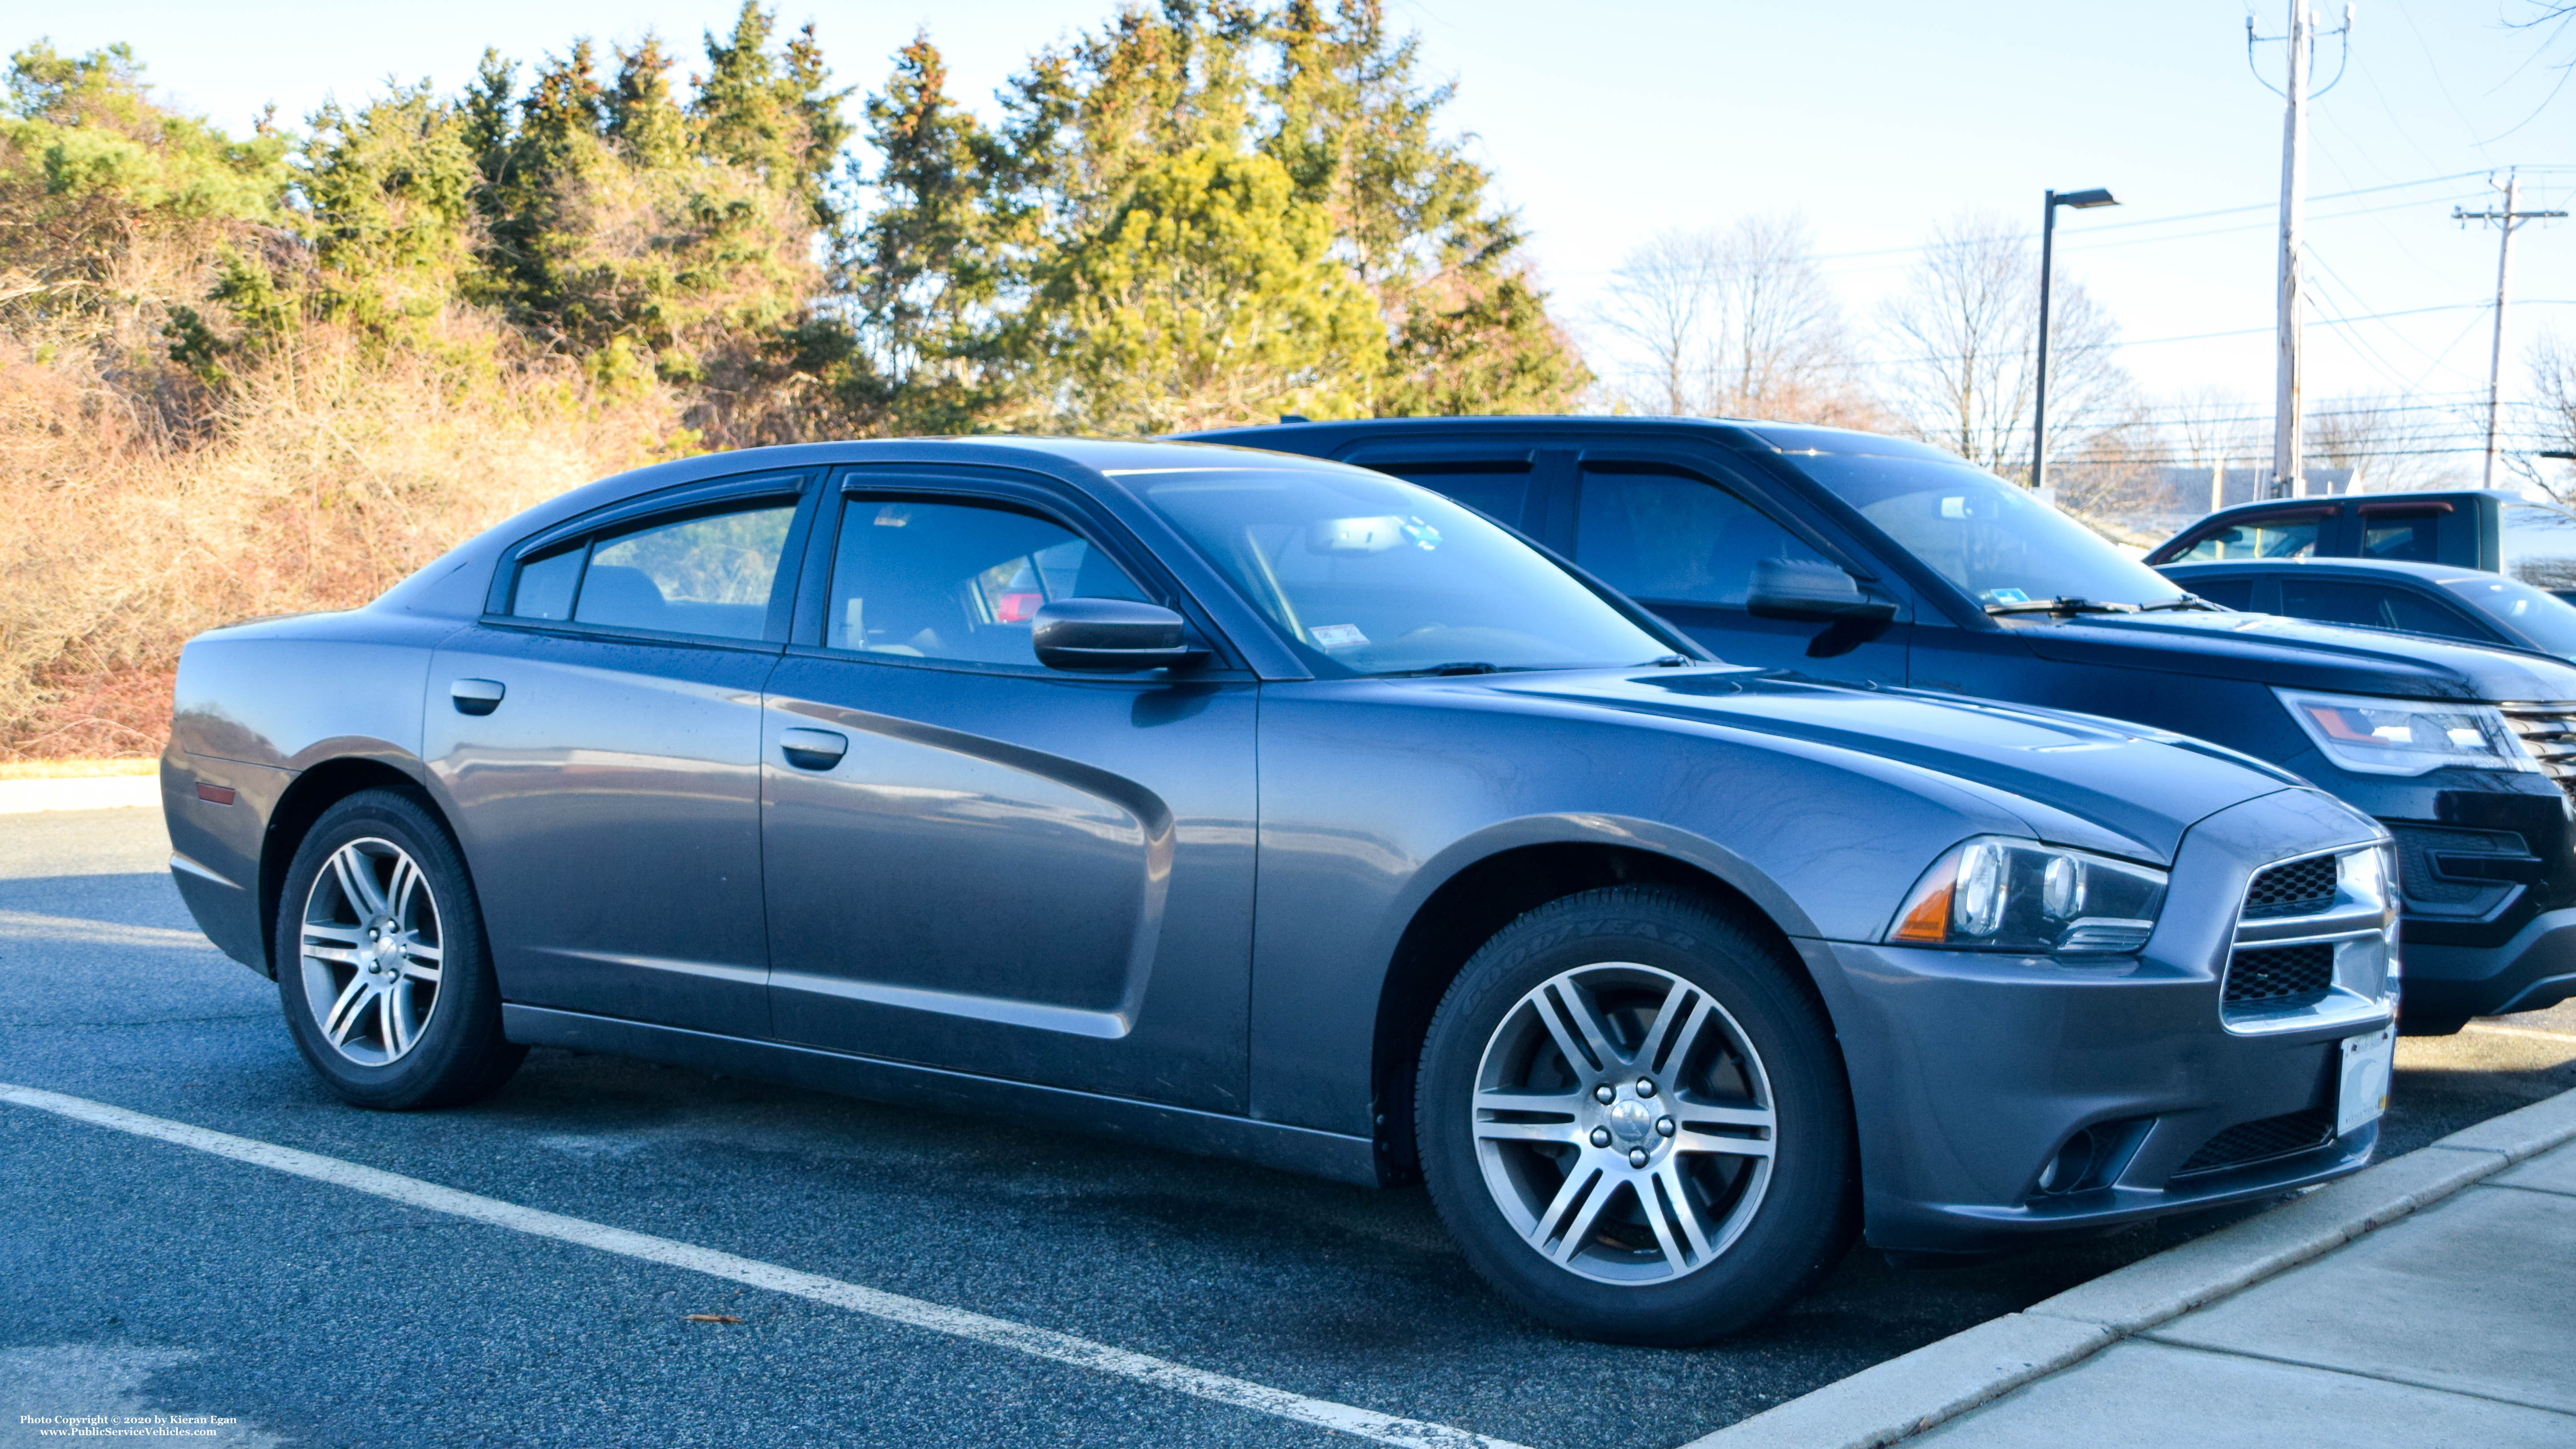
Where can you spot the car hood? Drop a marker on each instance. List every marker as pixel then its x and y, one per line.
pixel 2297 653
pixel 2137 789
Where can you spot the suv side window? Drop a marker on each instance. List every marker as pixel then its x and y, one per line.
pixel 2294 537
pixel 1659 534
pixel 2408 537
pixel 2377 606
pixel 2237 593
pixel 1500 491
pixel 709 574
pixel 956 582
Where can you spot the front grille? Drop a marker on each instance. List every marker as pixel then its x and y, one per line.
pixel 2298 888
pixel 2261 1141
pixel 2279 975
pixel 2548 736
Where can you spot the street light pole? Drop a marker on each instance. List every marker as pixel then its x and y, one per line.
pixel 2081 201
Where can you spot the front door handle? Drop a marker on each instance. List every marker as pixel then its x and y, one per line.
pixel 813 749
pixel 477 696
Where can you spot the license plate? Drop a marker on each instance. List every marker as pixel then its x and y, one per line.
pixel 2364 1083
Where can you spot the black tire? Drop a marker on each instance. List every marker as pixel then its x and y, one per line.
pixel 1762 1041
pixel 416 969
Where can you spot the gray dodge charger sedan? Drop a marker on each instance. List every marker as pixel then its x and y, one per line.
pixel 1247 804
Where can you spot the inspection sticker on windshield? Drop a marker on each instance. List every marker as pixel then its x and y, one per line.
pixel 1337 636
pixel 2366 1061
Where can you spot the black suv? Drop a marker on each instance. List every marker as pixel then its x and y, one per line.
pixel 1872 560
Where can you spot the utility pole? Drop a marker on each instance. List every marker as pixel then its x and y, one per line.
pixel 2506 220
pixel 2289 476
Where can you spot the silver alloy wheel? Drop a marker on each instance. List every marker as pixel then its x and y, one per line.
pixel 371 951
pixel 1624 1123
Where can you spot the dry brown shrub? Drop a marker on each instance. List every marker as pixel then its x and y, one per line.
pixel 323 474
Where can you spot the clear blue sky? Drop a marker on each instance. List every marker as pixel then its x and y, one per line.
pixel 1605 122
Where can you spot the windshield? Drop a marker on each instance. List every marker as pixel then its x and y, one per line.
pixel 1993 540
pixel 2545 619
pixel 1368 575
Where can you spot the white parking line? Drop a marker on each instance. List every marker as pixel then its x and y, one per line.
pixel 80 930
pixel 1001 1333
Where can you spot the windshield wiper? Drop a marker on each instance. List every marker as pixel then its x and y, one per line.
pixel 2187 601
pixel 1463 666
pixel 2061 605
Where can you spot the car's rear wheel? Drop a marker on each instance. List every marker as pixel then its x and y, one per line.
pixel 381 961
pixel 1633 1118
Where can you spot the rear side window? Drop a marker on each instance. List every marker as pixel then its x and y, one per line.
pixel 2232 593
pixel 2376 606
pixel 2539 546
pixel 2408 537
pixel 709 575
pixel 545 586
pixel 2256 538
pixel 1674 538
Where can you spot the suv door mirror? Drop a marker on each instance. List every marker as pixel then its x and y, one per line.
pixel 1110 635
pixel 1788 588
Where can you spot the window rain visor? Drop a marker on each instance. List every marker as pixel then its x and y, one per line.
pixel 1997 542
pixel 1370 575
pixel 2404 736
pixel 1995 893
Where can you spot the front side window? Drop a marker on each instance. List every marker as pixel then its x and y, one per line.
pixel 2256 538
pixel 1365 574
pixel 958 583
pixel 1671 538
pixel 709 575
pixel 1996 542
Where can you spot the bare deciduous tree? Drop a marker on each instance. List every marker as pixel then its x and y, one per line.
pixel 1966 332
pixel 1733 322
pixel 2391 445
pixel 2553 381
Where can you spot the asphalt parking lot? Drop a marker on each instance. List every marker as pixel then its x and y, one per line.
pixel 149 1277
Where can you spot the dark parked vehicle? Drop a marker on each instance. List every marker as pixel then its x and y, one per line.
pixel 1261 806
pixel 2470 605
pixel 1848 556
pixel 2475 528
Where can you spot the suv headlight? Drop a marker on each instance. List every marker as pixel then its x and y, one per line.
pixel 2404 736
pixel 1995 893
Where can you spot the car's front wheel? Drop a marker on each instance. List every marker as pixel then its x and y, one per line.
pixel 1633 1119
pixel 381 960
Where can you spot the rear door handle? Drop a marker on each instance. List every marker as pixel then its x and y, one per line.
pixel 477 696
pixel 813 749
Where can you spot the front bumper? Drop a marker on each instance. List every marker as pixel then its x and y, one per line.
pixel 2534 969
pixel 1977 1077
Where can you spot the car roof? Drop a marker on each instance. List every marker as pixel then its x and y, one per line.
pixel 2333 500
pixel 2428 572
pixel 1778 436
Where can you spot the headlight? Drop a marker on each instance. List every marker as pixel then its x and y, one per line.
pixel 2404 736
pixel 1998 894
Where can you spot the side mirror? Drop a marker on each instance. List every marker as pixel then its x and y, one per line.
pixel 1784 588
pixel 1110 635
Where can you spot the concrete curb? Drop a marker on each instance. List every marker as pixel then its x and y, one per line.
pixel 1904 1396
pixel 85 792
